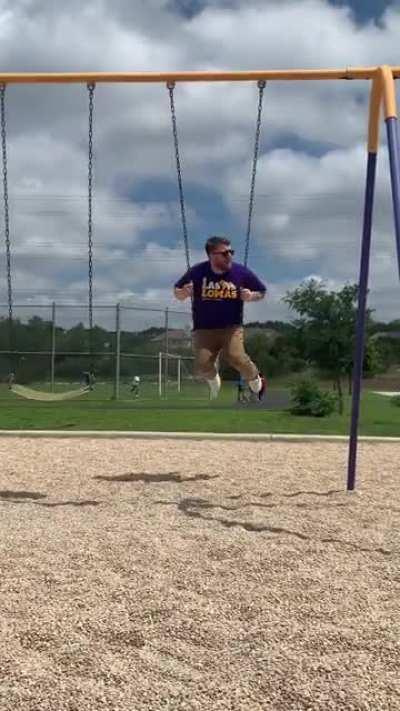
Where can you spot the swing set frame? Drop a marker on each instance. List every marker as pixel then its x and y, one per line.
pixel 382 95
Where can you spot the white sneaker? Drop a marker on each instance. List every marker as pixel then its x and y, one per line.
pixel 215 386
pixel 255 385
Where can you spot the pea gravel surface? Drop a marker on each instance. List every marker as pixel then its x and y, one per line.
pixel 199 575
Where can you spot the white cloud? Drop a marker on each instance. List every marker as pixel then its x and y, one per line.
pixel 310 219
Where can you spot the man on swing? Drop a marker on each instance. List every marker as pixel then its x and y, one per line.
pixel 218 287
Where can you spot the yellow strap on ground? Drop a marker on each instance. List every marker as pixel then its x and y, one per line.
pixel 31 394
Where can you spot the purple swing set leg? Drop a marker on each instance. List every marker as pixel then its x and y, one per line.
pixel 383 83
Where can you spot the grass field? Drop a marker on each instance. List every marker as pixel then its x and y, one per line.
pixel 189 411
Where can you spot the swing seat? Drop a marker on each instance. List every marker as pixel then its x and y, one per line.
pixel 31 394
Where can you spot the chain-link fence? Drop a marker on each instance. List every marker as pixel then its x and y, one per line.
pixel 128 352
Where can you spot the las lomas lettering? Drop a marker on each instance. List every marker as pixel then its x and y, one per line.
pixel 218 290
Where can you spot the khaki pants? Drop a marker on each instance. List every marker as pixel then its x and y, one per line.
pixel 209 343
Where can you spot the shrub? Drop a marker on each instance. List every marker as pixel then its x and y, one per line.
pixel 309 399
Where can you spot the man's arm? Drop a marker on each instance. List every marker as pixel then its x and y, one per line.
pixel 183 288
pixel 248 295
pixel 253 288
pixel 184 292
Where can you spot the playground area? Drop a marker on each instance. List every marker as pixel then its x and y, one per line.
pixel 150 575
pixel 140 571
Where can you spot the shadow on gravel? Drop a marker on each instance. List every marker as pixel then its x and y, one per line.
pixel 174 477
pixel 29 497
pixel 20 496
pixel 302 493
pixel 196 508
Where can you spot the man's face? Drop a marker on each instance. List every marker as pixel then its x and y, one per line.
pixel 221 257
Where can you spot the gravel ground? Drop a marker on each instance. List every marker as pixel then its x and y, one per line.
pixel 145 575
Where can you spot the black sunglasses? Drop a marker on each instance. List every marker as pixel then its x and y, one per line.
pixel 226 252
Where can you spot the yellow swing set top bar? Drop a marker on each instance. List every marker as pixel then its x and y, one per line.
pixel 154 77
pixel 375 104
pixel 382 89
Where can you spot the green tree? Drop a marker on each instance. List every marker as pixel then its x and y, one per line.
pixel 326 327
pixel 373 359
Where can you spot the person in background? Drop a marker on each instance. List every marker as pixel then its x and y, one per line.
pixel 10 380
pixel 135 386
pixel 85 379
pixel 263 387
pixel 92 380
pixel 88 380
pixel 243 391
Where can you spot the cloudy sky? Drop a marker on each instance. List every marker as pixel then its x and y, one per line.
pixel 310 183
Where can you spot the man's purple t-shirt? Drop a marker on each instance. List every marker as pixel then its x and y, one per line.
pixel 216 297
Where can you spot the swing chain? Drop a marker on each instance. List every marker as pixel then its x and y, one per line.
pixel 6 212
pixel 171 87
pixel 91 88
pixel 261 86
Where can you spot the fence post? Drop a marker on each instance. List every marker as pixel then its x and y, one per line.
pixel 117 351
pixel 160 388
pixel 166 351
pixel 53 345
pixel 179 374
